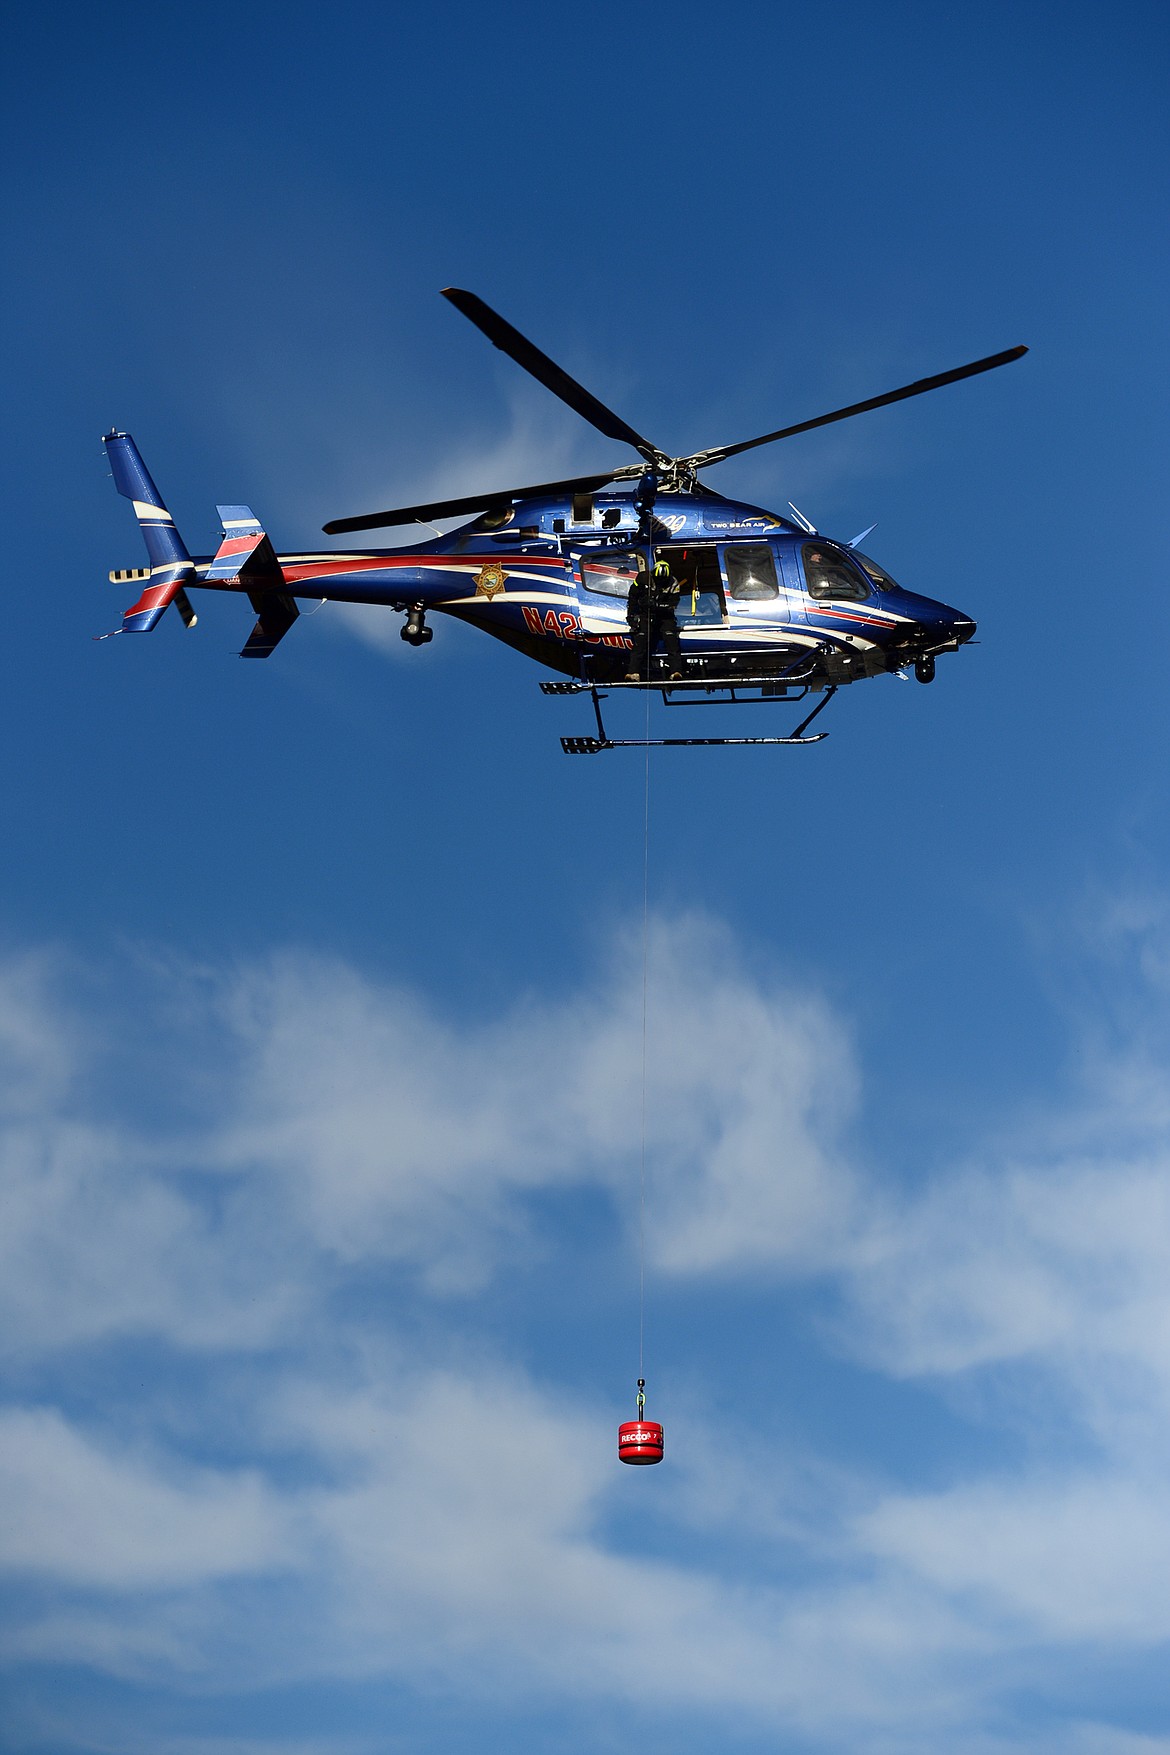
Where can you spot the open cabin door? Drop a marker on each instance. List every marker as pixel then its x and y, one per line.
pixel 695 565
pixel 604 578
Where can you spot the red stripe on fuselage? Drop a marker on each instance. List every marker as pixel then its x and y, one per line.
pixel 387 563
pixel 845 615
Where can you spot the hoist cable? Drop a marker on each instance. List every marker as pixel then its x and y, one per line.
pixel 645 990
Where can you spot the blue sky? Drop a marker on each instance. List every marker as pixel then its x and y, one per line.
pixel 320 979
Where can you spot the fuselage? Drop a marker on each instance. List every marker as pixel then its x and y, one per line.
pixel 550 577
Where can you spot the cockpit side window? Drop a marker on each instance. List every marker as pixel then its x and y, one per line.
pixel 828 574
pixel 878 574
pixel 751 571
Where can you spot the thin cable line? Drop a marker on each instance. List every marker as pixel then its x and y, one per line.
pixel 645 987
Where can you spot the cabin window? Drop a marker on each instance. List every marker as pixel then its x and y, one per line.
pixel 751 571
pixel 609 574
pixel 828 574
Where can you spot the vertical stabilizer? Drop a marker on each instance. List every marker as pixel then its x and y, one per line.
pixel 170 564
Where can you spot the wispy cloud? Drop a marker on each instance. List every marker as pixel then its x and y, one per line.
pixel 300 1492
pixel 105 1518
pixel 406 1135
pixel 536 441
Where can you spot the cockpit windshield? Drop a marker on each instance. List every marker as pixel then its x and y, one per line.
pixel 878 574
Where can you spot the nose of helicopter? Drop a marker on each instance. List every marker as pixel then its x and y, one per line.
pixel 943 622
pixel 933 627
pixel 938 621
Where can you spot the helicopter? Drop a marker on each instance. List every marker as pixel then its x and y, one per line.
pixel 768 609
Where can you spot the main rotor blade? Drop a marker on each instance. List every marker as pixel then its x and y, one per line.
pixel 702 459
pixel 578 484
pixel 546 371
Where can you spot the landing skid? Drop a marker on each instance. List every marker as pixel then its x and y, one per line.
pixel 769 689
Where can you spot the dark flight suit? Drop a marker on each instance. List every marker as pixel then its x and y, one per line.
pixel 650 612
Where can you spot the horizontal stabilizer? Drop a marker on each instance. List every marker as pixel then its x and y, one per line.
pixel 247 560
pixel 276 612
pixel 245 557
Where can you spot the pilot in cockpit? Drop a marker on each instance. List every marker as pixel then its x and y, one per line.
pixel 828 575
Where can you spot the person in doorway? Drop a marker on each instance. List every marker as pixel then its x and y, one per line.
pixel 651 612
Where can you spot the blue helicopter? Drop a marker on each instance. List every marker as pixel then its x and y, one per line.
pixel 765 607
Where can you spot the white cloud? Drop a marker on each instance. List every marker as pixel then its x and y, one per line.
pixel 101 1517
pixel 346 1121
pixel 406 1136
pixel 98 1239
pixel 39 1048
pixel 1055 1272
pixel 1062 1559
pixel 536 442
pixel 411 1513
pixel 105 1230
pixel 1101 1739
pixel 459 1530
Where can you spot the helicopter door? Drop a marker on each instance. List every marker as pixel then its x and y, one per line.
pixel 793 582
